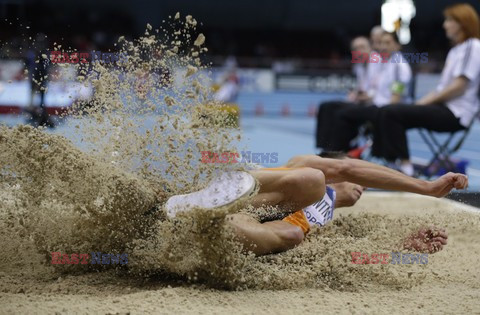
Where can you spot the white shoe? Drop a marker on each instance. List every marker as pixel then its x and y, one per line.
pixel 222 190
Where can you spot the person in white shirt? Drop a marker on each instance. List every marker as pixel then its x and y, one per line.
pixel 366 74
pixel 451 107
pixel 364 71
pixel 391 86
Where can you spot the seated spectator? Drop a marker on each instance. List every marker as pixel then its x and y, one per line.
pixel 391 86
pixel 365 74
pixel 451 107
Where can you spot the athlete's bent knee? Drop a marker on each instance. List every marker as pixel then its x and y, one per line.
pixel 312 182
pixel 304 186
pixel 290 237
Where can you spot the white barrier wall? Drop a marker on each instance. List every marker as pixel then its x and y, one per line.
pixel 11 70
pixel 58 94
pixel 263 81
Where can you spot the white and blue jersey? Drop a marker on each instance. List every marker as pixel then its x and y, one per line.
pixel 321 212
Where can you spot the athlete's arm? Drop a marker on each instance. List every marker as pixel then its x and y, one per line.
pixel 455 89
pixel 375 176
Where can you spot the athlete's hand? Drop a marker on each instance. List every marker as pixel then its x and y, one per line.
pixel 426 240
pixel 443 185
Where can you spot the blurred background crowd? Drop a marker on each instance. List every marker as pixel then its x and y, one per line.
pixel 284 34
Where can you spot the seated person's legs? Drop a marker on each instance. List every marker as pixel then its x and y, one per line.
pixel 393 122
pixel 347 123
pixel 326 122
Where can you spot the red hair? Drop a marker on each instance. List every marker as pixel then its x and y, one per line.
pixel 467 17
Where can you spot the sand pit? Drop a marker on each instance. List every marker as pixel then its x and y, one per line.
pixel 449 283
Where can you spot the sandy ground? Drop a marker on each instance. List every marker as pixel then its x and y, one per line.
pixel 451 284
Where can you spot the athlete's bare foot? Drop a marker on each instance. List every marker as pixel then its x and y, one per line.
pixel 426 240
pixel 347 194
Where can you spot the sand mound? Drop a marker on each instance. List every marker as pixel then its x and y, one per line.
pixel 317 274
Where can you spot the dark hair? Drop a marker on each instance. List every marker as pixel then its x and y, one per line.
pixel 333 155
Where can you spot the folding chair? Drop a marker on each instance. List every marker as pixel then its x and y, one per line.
pixel 443 151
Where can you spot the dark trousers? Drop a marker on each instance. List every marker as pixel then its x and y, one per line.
pixel 326 120
pixel 390 142
pixel 348 121
pixel 338 123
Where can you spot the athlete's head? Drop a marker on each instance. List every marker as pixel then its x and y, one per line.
pixel 461 22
